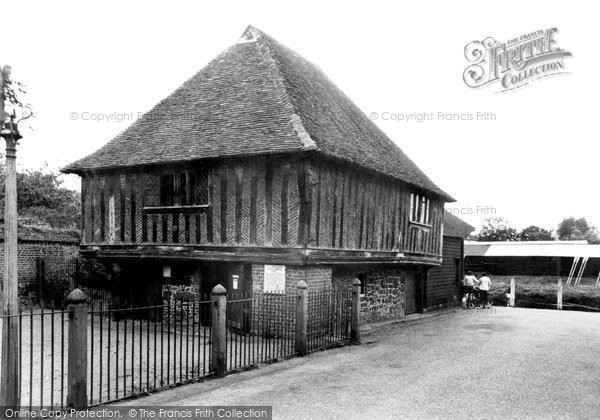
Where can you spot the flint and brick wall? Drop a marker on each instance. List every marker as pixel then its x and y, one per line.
pixel 179 299
pixel 384 296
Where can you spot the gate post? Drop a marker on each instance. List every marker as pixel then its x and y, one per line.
pixel 77 351
pixel 511 301
pixel 355 323
pixel 219 313
pixel 559 297
pixel 301 317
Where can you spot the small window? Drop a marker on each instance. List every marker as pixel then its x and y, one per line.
pixel 191 189
pixel 167 190
pixel 419 209
pixel 198 187
pixel 182 188
pixel 363 283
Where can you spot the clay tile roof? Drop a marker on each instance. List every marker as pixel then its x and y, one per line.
pixel 257 97
pixel 453 226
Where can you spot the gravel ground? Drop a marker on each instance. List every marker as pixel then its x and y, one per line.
pixel 514 363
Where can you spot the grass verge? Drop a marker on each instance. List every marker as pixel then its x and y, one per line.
pixel 541 291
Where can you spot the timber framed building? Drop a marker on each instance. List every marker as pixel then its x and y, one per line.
pixel 256 173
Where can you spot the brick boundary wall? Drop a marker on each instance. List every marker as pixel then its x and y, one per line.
pixel 28 253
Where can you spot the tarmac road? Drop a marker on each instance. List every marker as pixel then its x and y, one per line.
pixel 516 363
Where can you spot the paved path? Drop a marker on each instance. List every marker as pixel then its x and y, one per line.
pixel 517 363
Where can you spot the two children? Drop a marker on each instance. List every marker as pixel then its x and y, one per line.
pixel 484 282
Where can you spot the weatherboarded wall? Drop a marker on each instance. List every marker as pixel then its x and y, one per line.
pixel 440 286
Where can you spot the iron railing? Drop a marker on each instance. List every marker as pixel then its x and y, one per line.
pixel 134 351
pixel 260 328
pixel 329 317
pixel 43 346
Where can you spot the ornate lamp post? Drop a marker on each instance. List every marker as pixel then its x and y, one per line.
pixel 10 390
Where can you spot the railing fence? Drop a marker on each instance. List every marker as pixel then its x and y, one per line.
pixel 43 346
pixel 135 351
pixel 260 328
pixel 89 354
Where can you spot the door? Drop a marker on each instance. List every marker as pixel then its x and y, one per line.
pixel 239 287
pixel 410 293
pixel 457 279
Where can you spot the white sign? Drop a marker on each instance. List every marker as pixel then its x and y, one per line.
pixel 274 279
pixel 235 279
pixel 166 271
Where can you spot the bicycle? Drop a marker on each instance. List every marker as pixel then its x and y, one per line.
pixel 474 300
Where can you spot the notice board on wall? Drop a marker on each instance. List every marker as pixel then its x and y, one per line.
pixel 274 279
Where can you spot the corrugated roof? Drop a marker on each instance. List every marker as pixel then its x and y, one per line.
pixel 455 226
pixel 532 249
pixel 257 97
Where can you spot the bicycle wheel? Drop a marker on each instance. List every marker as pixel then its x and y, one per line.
pixel 470 303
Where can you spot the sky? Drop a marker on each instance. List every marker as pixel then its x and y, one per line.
pixel 535 162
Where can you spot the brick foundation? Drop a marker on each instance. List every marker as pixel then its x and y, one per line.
pixel 276 316
pixel 316 277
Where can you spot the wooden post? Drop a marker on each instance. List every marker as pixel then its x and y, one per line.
pixel 10 388
pixel 511 301
pixel 559 295
pixel 355 324
pixel 219 343
pixel 301 317
pixel 77 396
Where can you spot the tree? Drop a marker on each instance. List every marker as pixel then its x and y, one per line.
pixel 592 235
pixel 41 197
pixel 496 229
pixel 571 229
pixel 535 233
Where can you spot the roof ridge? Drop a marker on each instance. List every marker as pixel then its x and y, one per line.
pixel 262 41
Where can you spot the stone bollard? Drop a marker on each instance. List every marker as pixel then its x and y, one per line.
pixel 77 351
pixel 218 362
pixel 301 317
pixel 355 320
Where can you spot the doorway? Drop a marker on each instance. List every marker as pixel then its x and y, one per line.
pixel 411 295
